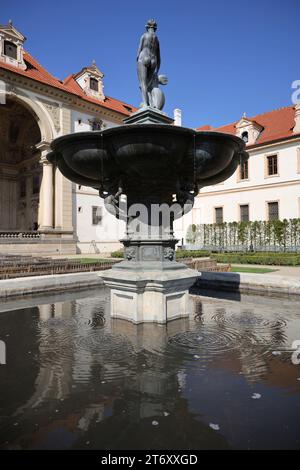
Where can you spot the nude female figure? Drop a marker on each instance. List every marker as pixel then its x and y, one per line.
pixel 148 60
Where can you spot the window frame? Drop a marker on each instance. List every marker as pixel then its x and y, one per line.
pixel 267 157
pixel 95 81
pixel 99 222
pixel 240 212
pixel 215 214
pixel 268 209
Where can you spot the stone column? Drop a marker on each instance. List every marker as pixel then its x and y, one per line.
pixel 46 195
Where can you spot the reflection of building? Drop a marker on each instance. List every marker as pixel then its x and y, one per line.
pixel 41 211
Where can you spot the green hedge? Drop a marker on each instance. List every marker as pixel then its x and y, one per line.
pixel 117 254
pixel 192 253
pixel 179 254
pixel 277 259
pixel 263 258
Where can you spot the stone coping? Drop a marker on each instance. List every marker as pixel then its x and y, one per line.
pixel 50 283
pixel 265 284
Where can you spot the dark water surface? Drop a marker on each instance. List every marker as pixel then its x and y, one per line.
pixel 76 379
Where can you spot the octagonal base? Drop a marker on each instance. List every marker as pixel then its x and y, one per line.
pixel 149 296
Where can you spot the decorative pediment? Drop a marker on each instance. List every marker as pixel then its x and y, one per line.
pixel 10 31
pixel 90 79
pixel 11 46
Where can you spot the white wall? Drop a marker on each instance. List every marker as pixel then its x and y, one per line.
pixel 106 235
pixel 91 238
pixel 258 189
pixel 85 125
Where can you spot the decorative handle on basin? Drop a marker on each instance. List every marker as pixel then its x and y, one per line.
pixel 52 157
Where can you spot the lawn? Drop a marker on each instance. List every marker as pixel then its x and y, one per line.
pixel 250 269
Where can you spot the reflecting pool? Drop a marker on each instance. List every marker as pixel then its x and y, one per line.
pixel 76 379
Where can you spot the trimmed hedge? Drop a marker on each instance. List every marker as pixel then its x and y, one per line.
pixel 192 253
pixel 275 259
pixel 263 258
pixel 117 254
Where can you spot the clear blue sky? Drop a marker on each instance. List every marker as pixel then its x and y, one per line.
pixel 222 57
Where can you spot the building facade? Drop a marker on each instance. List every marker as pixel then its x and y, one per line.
pixel 267 186
pixel 40 210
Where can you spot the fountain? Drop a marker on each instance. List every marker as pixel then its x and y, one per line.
pixel 160 168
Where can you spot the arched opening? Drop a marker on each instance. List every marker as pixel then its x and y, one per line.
pixel 20 170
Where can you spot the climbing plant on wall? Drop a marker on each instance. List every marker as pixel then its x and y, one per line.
pixel 281 235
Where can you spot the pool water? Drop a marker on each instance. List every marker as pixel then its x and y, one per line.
pixel 76 379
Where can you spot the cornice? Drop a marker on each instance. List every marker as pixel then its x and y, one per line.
pixel 250 188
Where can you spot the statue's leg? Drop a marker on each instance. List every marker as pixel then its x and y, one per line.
pixel 143 78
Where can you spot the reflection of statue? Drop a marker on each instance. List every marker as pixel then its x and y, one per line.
pixel 148 64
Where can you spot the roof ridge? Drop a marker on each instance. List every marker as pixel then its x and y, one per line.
pixel 272 111
pixel 233 123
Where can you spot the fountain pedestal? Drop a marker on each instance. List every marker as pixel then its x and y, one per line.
pixel 149 286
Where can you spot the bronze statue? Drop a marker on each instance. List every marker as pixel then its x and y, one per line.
pixel 148 64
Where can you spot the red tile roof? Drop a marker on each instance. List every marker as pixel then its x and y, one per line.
pixel 111 103
pixel 277 124
pixel 38 73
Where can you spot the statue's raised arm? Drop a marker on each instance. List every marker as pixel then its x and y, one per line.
pixel 148 64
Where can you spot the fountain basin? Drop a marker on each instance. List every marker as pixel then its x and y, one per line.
pixel 146 156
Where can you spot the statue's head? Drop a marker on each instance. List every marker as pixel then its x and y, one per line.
pixel 151 24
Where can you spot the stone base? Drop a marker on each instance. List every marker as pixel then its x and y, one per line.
pixel 148 115
pixel 149 296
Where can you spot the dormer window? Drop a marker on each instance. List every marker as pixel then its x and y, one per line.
pixel 10 49
pixel 94 84
pixel 245 136
pixel 249 130
pixel 11 46
pixel 90 79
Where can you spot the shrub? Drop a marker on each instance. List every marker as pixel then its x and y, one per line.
pixel 117 254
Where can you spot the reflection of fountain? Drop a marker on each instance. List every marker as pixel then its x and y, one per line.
pixel 160 168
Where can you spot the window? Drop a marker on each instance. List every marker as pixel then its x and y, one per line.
pixel 244 170
pixel 244 213
pixel 96 125
pixel 219 215
pixel 94 85
pixel 245 136
pixel 273 210
pixel 97 215
pixel 79 209
pixel 35 184
pixel 272 165
pixel 10 49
